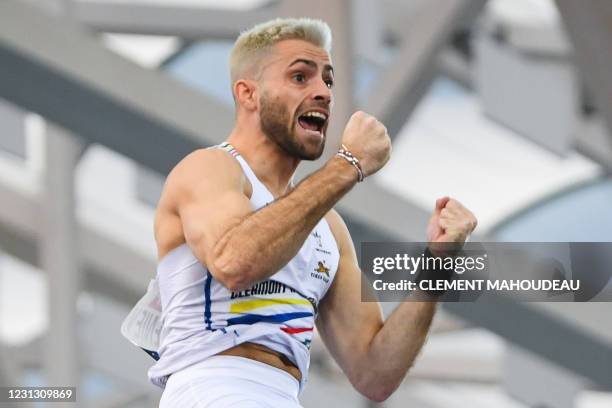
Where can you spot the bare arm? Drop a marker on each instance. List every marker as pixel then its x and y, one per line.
pixel 241 246
pixel 264 241
pixel 375 355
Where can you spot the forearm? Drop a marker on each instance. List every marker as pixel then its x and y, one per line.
pixel 394 348
pixel 396 345
pixel 264 241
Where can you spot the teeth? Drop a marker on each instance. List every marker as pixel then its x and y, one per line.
pixel 316 115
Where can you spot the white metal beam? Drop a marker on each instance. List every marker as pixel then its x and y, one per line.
pixel 190 23
pixel 405 80
pixel 529 378
pixel 50 66
pixel 8 370
pixel 527 324
pixel 455 66
pixel 102 254
pixel 592 138
pixel 385 211
pixel 368 29
pixel 588 24
pixel 111 356
pixel 13 125
pixel 60 258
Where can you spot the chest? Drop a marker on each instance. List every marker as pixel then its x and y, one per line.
pixel 312 270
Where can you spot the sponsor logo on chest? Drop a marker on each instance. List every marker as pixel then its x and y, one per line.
pixel 321 269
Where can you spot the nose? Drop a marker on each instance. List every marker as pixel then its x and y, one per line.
pixel 323 93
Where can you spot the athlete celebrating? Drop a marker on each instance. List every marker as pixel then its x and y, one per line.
pixel 249 263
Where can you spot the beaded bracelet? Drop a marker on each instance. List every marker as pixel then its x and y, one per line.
pixel 347 155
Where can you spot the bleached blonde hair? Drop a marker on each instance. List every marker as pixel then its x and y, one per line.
pixel 254 44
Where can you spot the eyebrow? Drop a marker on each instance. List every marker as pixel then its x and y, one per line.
pixel 311 63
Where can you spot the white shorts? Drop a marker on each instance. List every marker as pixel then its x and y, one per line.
pixel 228 381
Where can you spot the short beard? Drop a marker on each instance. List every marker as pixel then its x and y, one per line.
pixel 276 124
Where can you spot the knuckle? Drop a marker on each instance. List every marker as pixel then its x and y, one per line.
pixel 458 206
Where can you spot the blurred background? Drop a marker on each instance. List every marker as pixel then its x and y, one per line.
pixel 505 105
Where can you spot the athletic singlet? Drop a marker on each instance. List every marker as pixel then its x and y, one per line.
pixel 201 318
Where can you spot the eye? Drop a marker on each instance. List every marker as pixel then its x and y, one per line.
pixel 329 83
pixel 300 77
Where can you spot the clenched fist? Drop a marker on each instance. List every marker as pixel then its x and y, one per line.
pixel 450 223
pixel 367 139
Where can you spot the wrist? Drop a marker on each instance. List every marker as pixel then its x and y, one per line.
pixel 444 249
pixel 347 155
pixel 435 275
pixel 344 169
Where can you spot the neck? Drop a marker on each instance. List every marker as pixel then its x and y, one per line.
pixel 272 165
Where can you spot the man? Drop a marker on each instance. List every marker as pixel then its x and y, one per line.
pixel 249 262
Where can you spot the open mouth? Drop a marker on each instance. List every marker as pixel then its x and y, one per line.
pixel 314 121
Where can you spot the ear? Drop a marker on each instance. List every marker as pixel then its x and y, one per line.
pixel 246 94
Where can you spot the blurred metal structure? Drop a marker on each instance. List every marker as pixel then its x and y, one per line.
pixel 407 77
pixel 68 77
pixel 58 249
pixel 588 354
pixel 588 24
pixel 188 23
pixel 52 65
pixel 142 104
pixel 12 120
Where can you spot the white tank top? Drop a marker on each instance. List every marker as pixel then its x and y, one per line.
pixel 201 318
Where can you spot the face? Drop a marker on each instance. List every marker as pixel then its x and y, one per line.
pixel 296 98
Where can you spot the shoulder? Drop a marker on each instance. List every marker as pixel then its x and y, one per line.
pixel 334 220
pixel 208 167
pixel 339 230
pixel 206 162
